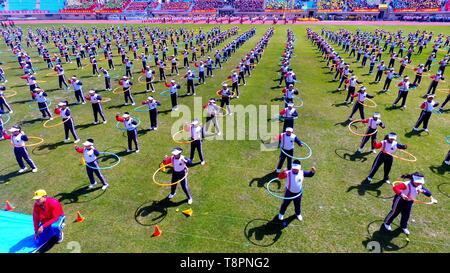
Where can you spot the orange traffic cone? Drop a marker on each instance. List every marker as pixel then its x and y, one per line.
pixel 188 212
pixel 80 217
pixel 83 161
pixel 157 232
pixel 9 206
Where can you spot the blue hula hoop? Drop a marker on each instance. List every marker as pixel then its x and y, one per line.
pixel 447 139
pixel 436 111
pixel 299 99
pixel 38 109
pixel 8 116
pixel 106 168
pixel 299 158
pixel 165 92
pixel 138 109
pixel 125 129
pixel 278 196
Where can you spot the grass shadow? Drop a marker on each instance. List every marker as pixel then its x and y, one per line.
pixel 272 229
pixel 366 187
pixel 67 198
pixel 382 239
pixel 48 147
pixel 261 181
pixel 440 170
pixel 352 156
pixel 144 211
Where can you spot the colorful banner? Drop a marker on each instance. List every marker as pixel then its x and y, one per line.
pixel 284 10
pixel 418 10
pixel 329 10
pixel 204 10
pixel 366 10
pixel 109 11
pixel 8 12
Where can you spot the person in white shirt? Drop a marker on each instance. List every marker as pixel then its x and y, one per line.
pixel 180 164
pixel 197 135
pixel 425 115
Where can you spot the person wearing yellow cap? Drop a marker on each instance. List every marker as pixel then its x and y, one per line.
pixel 48 217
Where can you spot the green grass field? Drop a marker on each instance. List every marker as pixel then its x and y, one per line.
pixel 232 209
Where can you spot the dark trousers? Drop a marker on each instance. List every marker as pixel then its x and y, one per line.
pixel 197 144
pixel 378 76
pixel 382 158
pixel 424 117
pixel 94 69
pixel 418 79
pixel 445 102
pixel 79 64
pixel 108 83
pixel 43 107
pixel 127 95
pixel 61 81
pixel 447 158
pixel 98 109
pixel 153 118
pixel 235 88
pixel 366 138
pixel 3 103
pixel 432 88
pixel 174 99
pixel 286 202
pixel 90 172
pixel 401 95
pixel 111 64
pixel 402 68
pixel 358 106
pixel 184 184
pixel 79 96
pixel 209 71
pixel 132 137
pixel 289 122
pixel 162 75
pixel 343 79
pixel 387 83
pixel 175 68
pixel 190 87
pixel 149 84
pixel 399 205
pixel 391 63
pixel 128 72
pixel 202 77
pixel 21 154
pixel 69 127
pixel 283 156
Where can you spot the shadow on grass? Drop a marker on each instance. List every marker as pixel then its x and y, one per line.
pixel 440 170
pixel 76 196
pixel 7 177
pixel 31 121
pixel 352 156
pixel 143 214
pixel 270 229
pixel 416 133
pixel 261 181
pixel 366 187
pixel 382 240
pixel 86 125
pixel 341 104
pixel 21 101
pixel 344 123
pixel 48 147
pixel 443 191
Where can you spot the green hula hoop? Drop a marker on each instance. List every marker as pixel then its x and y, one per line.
pixel 278 196
pixel 299 158
pixel 106 168
pixel 9 118
pixel 38 109
pixel 125 129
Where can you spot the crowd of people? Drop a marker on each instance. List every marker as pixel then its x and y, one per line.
pixel 208 4
pixel 420 4
pixel 177 5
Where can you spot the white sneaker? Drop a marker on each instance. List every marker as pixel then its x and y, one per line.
pixel 350 119
pixel 415 129
pixel 387 182
pixel 171 195
pixel 34 170
pixel 67 139
pixel 406 231
pixel 105 187
pixel 156 128
pixel 95 122
pixel 137 151
pixel 83 103
pixel 300 217
pixel 374 151
pixel 128 151
pixel 92 185
pixel 387 227
pixel 280 217
pixel 126 103
pixel 190 201
pixel 219 133
pixel 359 150
pixel 426 130
pixel 61 238
pixel 369 179
pixel 133 103
pixel 77 140
pixel 104 122
pixel 447 162
pixel 203 162
pixel 22 170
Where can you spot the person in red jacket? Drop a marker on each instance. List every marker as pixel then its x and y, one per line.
pixel 48 217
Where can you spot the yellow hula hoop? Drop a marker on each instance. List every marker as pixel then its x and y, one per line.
pixel 358 134
pixel 105 99
pixel 14 92
pixel 181 142
pixel 140 80
pixel 227 81
pixel 417 201
pixel 121 92
pixel 41 81
pixel 225 112
pixel 51 74
pixel 401 158
pixel 444 90
pixel 55 125
pixel 31 145
pixel 369 106
pixel 166 185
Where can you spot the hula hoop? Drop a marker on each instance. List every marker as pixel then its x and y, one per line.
pixel 299 158
pixel 447 139
pixel 14 92
pixel 9 118
pixel 222 115
pixel 298 98
pixel 50 74
pixel 141 108
pixel 181 142
pixel 105 99
pixel 31 145
pixel 41 81
pixel 358 134
pixel 121 92
pixel 278 196
pixel 55 125
pixel 38 109
pixel 125 129
pixel 165 92
pixel 227 81
pixel 369 106
pixel 447 91
pixel 166 185
pixel 106 168
pixel 401 158
pixel 416 201
pixel 283 118
pixel 139 80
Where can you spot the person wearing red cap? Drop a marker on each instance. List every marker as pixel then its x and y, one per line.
pixel 405 194
pixel 294 187
pixel 48 217
pixel 425 115
pixel 90 155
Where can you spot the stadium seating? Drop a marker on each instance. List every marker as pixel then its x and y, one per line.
pixel 330 4
pixel 83 5
pixel 361 4
pixel 249 5
pixel 177 5
pixel 116 4
pixel 208 4
pixel 420 4
pixel 138 5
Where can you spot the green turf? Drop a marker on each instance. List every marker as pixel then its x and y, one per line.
pixel 231 206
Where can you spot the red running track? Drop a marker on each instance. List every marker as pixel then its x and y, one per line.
pixel 387 23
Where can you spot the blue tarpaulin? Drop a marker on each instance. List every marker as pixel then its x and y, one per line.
pixel 17 233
